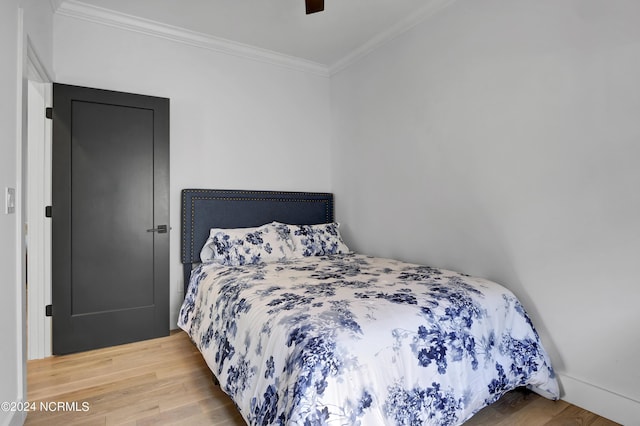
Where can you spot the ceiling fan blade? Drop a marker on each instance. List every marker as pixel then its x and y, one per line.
pixel 314 6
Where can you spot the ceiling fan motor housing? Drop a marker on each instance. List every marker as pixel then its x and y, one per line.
pixel 314 6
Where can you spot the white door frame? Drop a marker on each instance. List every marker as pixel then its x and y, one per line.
pixel 38 195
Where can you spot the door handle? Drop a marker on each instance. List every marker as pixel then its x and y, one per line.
pixel 161 229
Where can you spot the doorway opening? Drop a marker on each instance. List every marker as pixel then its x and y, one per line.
pixel 36 194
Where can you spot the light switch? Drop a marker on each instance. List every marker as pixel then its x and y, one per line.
pixel 10 200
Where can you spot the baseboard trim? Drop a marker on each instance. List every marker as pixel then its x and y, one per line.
pixel 173 321
pixel 613 406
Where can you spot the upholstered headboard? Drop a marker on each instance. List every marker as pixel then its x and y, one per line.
pixel 203 209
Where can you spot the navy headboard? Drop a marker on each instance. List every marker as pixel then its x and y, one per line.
pixel 203 209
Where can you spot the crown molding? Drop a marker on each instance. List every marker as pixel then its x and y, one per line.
pixel 55 4
pixel 79 10
pixel 432 8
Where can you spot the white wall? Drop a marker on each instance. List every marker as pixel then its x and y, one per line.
pixel 19 21
pixel 38 23
pixel 236 123
pixel 10 328
pixel 501 138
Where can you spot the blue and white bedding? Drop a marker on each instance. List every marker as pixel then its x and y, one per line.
pixel 349 339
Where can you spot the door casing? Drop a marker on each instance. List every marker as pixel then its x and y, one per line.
pixel 37 194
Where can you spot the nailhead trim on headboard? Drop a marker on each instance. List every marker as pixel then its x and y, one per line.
pixel 193 195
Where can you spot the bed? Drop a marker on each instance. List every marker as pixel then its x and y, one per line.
pixel 299 330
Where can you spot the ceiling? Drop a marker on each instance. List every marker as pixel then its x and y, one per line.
pixel 345 28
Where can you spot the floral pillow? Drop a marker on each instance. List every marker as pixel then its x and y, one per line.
pixel 245 246
pixel 313 240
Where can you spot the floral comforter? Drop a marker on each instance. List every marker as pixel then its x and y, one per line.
pixel 351 339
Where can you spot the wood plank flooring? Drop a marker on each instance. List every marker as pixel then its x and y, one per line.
pixel 166 382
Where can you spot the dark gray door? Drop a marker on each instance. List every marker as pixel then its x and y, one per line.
pixel 110 269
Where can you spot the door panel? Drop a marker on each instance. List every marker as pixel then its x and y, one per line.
pixel 112 198
pixel 110 186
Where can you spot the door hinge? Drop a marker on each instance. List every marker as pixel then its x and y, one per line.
pixel 48 211
pixel 48 112
pixel 48 310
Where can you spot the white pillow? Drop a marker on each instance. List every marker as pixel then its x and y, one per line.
pixel 314 240
pixel 245 246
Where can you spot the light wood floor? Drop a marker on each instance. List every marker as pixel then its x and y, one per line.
pixel 165 381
